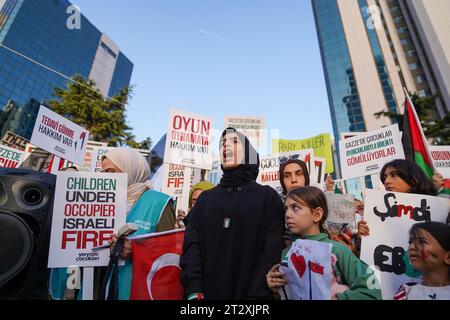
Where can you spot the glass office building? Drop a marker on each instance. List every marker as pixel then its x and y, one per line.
pixel 38 30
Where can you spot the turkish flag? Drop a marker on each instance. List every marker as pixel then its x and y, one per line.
pixel 156 269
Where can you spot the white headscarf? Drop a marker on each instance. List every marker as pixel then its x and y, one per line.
pixel 132 162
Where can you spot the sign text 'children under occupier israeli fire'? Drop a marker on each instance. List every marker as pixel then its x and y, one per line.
pixel 88 209
pixel 188 140
pixel 60 136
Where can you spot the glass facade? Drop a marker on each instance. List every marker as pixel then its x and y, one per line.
pixel 345 106
pixel 38 29
pixel 122 74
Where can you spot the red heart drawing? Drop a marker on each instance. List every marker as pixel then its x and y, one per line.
pixel 299 264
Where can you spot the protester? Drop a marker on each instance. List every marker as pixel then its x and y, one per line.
pixel 429 253
pixel 293 174
pixel 194 193
pixel 234 233
pixel 150 210
pixel 402 176
pixel 306 212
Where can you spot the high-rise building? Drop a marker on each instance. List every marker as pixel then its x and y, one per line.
pixel 41 43
pixel 372 49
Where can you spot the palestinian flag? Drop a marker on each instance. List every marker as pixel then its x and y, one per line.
pixel 414 142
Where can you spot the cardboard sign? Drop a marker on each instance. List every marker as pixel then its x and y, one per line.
pixel 321 145
pixel 270 166
pixel 308 271
pixel 189 138
pixel 15 141
pixel 88 209
pixel 60 136
pixel 11 158
pixel 215 175
pixel 318 173
pixel 390 216
pixel 367 153
pixel 440 155
pixel 251 127
pixel 341 207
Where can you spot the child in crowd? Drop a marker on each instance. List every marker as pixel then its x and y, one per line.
pixel 306 212
pixel 429 253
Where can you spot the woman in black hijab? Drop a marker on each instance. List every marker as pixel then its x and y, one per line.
pixel 235 230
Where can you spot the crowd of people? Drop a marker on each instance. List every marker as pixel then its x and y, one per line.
pixel 239 232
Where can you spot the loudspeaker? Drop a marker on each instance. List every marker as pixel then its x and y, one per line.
pixel 26 205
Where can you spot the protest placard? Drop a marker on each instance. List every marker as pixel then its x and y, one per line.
pixel 251 127
pixel 270 165
pixel 440 155
pixel 341 207
pixel 11 158
pixel 308 270
pixel 321 145
pixel 60 136
pixel 97 157
pixel 367 153
pixel 188 140
pixel 12 140
pixel 390 216
pixel 88 209
pixel 317 176
pixel 173 179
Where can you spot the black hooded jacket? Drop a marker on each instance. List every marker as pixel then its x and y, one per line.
pixel 232 263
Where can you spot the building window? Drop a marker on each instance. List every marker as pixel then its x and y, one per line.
pixel 404 42
pixel 422 93
pixel 413 66
pixel 398 19
pixel 419 79
pixel 395 9
pixel 411 53
pixel 402 30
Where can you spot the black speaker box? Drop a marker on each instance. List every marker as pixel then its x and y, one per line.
pixel 26 204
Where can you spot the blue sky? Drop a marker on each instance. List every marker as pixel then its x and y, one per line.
pixel 219 57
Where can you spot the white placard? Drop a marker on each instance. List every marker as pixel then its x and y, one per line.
pixel 367 153
pixel 173 179
pixel 189 138
pixel 270 166
pixel 440 155
pixel 96 160
pixel 251 127
pixel 60 136
pixel 390 216
pixel 11 158
pixel 317 176
pixel 88 209
pixel 308 271
pixel 341 207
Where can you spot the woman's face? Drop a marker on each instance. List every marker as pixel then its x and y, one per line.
pixel 301 219
pixel 393 182
pixel 293 176
pixel 426 254
pixel 195 196
pixel 231 151
pixel 109 167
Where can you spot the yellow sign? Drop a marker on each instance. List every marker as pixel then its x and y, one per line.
pixel 321 145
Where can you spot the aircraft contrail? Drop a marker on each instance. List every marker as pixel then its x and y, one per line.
pixel 211 34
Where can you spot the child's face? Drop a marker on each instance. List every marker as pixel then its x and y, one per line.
pixel 393 182
pixel 426 254
pixel 301 219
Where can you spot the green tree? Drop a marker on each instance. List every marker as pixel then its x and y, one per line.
pixel 436 129
pixel 105 119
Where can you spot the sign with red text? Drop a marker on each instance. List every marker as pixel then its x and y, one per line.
pixel 12 140
pixel 88 209
pixel 173 179
pixel 390 216
pixel 11 158
pixel 269 167
pixel 251 127
pixel 60 136
pixel 97 157
pixel 188 140
pixel 440 156
pixel 366 154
